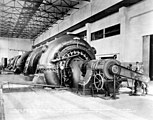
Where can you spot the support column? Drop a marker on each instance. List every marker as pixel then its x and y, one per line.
pixel 2 114
pixel 88 28
pixel 124 22
pixel 146 54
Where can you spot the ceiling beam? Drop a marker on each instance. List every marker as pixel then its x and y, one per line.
pixel 30 16
pixel 51 12
pixel 80 0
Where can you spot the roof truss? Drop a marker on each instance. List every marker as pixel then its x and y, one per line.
pixel 29 18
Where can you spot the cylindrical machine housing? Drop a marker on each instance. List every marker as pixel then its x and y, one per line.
pixel 61 55
pixel 32 61
pixel 21 62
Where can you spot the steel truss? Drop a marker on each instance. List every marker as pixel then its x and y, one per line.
pixel 29 18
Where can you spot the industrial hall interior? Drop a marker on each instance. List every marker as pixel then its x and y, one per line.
pixel 76 59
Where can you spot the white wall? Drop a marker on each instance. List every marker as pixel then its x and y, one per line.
pixel 109 45
pixel 140 23
pixel 136 22
pixel 10 47
pixel 3 48
pixel 99 5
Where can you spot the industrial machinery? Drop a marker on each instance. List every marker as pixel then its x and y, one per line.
pixel 21 62
pixel 12 63
pixel 63 58
pixel 33 59
pixel 70 61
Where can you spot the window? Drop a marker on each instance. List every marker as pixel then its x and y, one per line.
pixel 113 30
pixel 97 35
pixel 106 32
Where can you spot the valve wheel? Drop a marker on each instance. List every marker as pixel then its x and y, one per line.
pixel 98 81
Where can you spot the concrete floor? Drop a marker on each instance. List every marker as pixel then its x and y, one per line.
pixel 49 104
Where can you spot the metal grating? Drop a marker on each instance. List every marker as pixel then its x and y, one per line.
pixel 29 18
